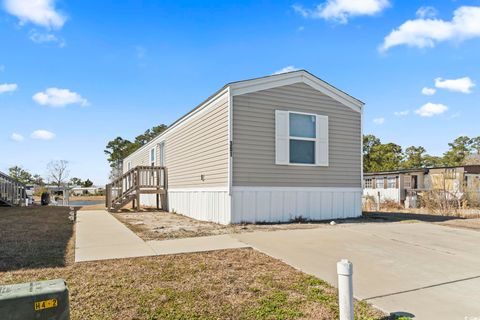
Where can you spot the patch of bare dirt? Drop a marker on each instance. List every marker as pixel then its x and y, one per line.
pixel 86 198
pixel 159 225
pixel 473 224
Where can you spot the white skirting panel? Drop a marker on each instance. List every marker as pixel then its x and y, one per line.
pixel 283 204
pixel 149 200
pixel 392 194
pixel 201 204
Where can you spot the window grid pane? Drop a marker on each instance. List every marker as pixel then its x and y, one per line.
pixel 302 125
pixel 368 183
pixel 302 151
pixel 379 183
pixel 152 155
pixel 391 182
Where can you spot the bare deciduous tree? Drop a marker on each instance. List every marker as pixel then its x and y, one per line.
pixel 58 172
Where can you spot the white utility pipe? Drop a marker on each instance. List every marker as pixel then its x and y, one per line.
pixel 345 289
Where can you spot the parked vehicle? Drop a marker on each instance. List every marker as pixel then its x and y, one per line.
pixel 45 199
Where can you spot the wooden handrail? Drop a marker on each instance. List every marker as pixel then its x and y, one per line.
pixel 12 191
pixel 133 182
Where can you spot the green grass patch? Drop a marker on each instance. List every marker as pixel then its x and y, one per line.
pixel 275 305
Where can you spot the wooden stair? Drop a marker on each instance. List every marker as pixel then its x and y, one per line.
pixel 12 192
pixel 5 203
pixel 139 180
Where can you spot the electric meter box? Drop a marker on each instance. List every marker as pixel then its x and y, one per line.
pixel 42 300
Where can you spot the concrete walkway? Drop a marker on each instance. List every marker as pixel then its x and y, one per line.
pixel 101 236
pixel 427 270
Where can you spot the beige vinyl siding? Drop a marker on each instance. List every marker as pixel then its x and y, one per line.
pixel 140 158
pixel 254 140
pixel 200 146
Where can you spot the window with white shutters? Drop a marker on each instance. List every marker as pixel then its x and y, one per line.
pixel 301 138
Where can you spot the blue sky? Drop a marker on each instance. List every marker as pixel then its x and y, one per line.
pixel 75 74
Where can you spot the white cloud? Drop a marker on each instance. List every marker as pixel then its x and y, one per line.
pixel 426 12
pixel 8 87
pixel 341 10
pixel 431 109
pixel 401 113
pixel 56 97
pixel 426 32
pixel 306 13
pixel 39 12
pixel 46 38
pixel 379 120
pixel 463 85
pixel 286 69
pixel 42 135
pixel 17 137
pixel 428 91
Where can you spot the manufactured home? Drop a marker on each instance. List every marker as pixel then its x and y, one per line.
pixel 402 186
pixel 271 149
pixel 82 191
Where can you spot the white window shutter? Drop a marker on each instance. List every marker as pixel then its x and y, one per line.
pixel 321 156
pixel 281 137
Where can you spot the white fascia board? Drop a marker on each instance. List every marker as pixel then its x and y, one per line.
pixel 299 189
pixel 255 85
pixel 333 92
pixel 292 78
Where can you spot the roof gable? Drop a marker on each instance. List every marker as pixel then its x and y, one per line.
pixel 248 86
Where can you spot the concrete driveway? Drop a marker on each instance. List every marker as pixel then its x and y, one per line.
pixel 424 269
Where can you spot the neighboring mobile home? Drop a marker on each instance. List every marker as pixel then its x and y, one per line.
pixel 270 149
pixel 82 191
pixel 402 186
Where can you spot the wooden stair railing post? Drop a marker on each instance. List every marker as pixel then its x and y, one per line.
pixel 165 189
pixel 137 189
pixel 12 192
pixel 157 185
pixel 108 197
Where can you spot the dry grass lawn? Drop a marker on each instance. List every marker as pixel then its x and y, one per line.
pixel 35 237
pixel 231 284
